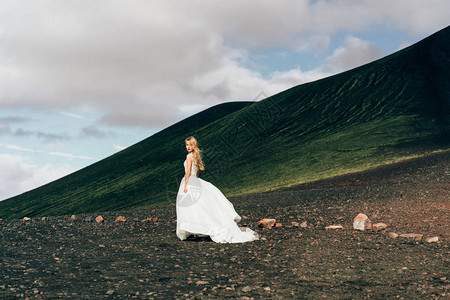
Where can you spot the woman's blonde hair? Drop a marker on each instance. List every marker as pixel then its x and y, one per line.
pixel 196 152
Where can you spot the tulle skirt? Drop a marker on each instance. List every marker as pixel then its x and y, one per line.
pixel 205 211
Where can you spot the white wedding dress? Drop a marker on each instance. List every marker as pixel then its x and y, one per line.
pixel 205 211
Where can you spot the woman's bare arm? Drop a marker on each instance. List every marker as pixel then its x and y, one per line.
pixel 188 172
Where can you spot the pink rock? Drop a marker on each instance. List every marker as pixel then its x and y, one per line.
pixel 266 223
pixel 278 225
pixel 121 219
pixel 295 224
pixel 99 219
pixel 155 220
pixel 379 226
pixel 333 227
pixel 362 222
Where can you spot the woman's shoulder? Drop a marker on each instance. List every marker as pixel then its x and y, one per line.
pixel 189 155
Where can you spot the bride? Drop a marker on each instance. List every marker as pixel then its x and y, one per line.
pixel 202 209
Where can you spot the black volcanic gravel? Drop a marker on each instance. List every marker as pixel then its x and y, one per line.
pixel 63 258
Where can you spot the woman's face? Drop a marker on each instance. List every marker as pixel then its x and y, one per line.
pixel 189 147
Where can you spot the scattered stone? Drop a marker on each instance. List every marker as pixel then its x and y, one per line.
pixel 333 227
pixel 267 288
pixel 110 292
pixel 278 224
pixel 26 219
pixel 246 289
pixel 44 219
pixel 393 235
pixel 155 220
pixel 362 222
pixel 266 223
pixel 73 218
pixel 99 219
pixel 295 224
pixel 88 219
pixel 199 282
pixel 304 225
pixel 121 219
pixel 146 220
pixel 433 239
pixel 379 226
pixel 415 236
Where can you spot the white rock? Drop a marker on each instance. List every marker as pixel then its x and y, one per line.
pixel 362 222
pixel 433 239
pixel 333 227
pixel 393 235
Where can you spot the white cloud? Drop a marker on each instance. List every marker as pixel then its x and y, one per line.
pixel 68 114
pixel 72 156
pixel 143 63
pixel 119 148
pixel 19 148
pixel 94 131
pixel 18 175
pixel 353 53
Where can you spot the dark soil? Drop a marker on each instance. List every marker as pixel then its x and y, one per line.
pixel 63 258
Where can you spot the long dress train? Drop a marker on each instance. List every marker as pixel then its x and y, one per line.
pixel 204 210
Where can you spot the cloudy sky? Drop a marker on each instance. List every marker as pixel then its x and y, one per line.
pixel 81 80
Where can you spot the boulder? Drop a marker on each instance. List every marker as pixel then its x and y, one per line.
pixel 362 222
pixel 378 226
pixel 99 219
pixel 295 224
pixel 26 219
pixel 304 225
pixel 278 225
pixel 266 223
pixel 73 218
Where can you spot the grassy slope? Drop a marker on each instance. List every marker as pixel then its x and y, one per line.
pixel 124 180
pixel 384 111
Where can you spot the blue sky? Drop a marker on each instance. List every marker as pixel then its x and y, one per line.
pixel 81 80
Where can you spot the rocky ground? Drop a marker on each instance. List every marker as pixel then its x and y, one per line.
pixel 60 257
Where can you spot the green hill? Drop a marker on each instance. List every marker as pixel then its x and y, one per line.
pixel 391 109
